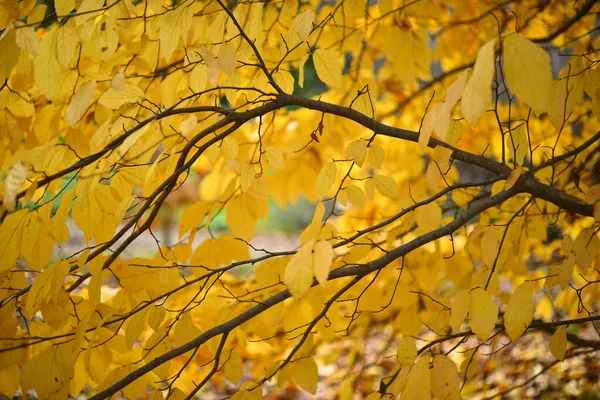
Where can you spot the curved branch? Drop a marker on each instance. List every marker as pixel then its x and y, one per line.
pixel 399 133
pixel 570 153
pixel 557 197
pixel 361 270
pixel 117 142
pixel 582 12
pixel 237 118
pixel 528 183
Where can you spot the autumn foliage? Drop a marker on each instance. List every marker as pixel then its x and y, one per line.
pixel 450 151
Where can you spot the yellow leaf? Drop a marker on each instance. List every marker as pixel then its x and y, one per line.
pixel 10 52
pixel 363 105
pixel 441 120
pixel 285 80
pixel 455 132
pixel 227 58
pixel 105 39
pixel 561 273
pixel 230 148
pixel 356 195
pixel 274 157
pixel 328 67
pixel 207 254
pixel 301 27
pixel 433 177
pixel 174 24
pixel 185 329
pixel 429 216
pixel 298 276
pixel 212 66
pixel 80 102
pixel 135 327
pixel 46 286
pixel 156 316
pixel 406 352
pixel 418 381
pixel 217 28
pixel 313 229
pixel 325 179
pixel 46 67
pixel 357 151
pixel 114 99
pixel 303 61
pixel 118 81
pixel 130 142
pixel 157 395
pixel 478 92
pixel 376 156
pixel 455 91
pixel 96 212
pixel 498 187
pixel 445 381
pixel 568 90
pixel 307 375
pixel 233 81
pixel 17 175
pixel 64 7
pixel 513 177
pixel 9 381
pixel 518 144
pixel 247 176
pixel 37 14
pixel 231 249
pixel 94 289
pixel 27 39
pixel 140 385
pixel 558 110
pixel 198 78
pixel 483 313
pixel 519 311
pixel 50 372
pixel 459 309
pixel 249 391
pixel 243 212
pixel 84 11
pixel 188 125
pixel 19 106
pixel 10 238
pixel 386 186
pixel 490 245
pixel 234 368
pixel 558 343
pixel 528 71
pixel 66 44
pixel 322 259
pixel 96 363
pixel 469 367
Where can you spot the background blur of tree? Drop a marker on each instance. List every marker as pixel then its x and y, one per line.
pixel 299 198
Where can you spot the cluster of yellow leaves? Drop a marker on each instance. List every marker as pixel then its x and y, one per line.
pixel 104 91
pixel 313 258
